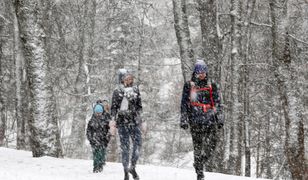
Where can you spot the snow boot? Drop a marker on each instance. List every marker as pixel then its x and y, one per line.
pixel 100 169
pixel 95 170
pixel 126 175
pixel 134 173
pixel 200 176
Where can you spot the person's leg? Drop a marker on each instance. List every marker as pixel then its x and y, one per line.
pixel 124 140
pixel 101 158
pixel 209 147
pixel 96 159
pixel 197 136
pixel 137 142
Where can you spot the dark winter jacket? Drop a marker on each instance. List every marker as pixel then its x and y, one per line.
pixel 97 130
pixel 134 106
pixel 195 115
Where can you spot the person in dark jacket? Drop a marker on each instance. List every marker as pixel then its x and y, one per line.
pixel 98 136
pixel 126 109
pixel 201 111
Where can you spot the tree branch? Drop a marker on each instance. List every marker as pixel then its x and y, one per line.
pixel 299 40
pixel 260 24
pixel 224 14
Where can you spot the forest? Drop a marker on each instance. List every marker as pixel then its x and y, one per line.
pixel 58 57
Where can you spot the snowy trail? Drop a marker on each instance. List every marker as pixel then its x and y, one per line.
pixel 20 165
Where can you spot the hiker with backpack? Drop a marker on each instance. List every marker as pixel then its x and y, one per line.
pixel 126 109
pixel 201 111
pixel 98 135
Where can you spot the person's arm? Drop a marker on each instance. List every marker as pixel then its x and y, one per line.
pixel 138 103
pixel 108 117
pixel 185 106
pixel 90 133
pixel 115 105
pixel 217 96
pixel 106 130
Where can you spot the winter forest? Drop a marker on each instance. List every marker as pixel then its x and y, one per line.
pixel 58 57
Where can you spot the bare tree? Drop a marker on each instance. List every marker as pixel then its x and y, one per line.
pixel 246 46
pixel 211 53
pixel 183 37
pixel 45 135
pixel 21 103
pixel 236 130
pixel 2 105
pixel 209 34
pixel 80 85
pixel 285 74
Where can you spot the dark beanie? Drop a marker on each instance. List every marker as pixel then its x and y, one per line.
pixel 200 67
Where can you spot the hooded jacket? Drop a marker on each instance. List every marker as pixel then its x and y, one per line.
pixel 97 130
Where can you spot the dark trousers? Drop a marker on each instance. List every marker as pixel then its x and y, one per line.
pixel 204 142
pixel 99 157
pixel 126 133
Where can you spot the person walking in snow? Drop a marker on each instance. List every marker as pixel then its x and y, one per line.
pixel 98 136
pixel 126 109
pixel 201 111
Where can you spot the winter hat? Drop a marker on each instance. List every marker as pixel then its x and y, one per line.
pixel 98 108
pixel 122 74
pixel 200 67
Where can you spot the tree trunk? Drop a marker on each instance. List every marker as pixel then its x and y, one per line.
pixel 250 5
pixel 210 53
pixel 45 136
pixel 258 174
pixel 183 38
pixel 288 90
pixel 209 32
pixel 80 91
pixel 2 106
pixel 21 81
pixel 235 80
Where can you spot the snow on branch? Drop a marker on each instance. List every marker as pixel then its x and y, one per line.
pixel 3 19
pixel 299 40
pixel 260 24
pixel 224 14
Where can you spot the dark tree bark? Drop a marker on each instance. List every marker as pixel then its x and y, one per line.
pixel 80 88
pixel 2 105
pixel 236 140
pixel 183 38
pixel 209 34
pixel 248 10
pixel 21 90
pixel 43 122
pixel 292 104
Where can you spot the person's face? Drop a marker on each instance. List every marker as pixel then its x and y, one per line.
pixel 129 80
pixel 98 114
pixel 201 76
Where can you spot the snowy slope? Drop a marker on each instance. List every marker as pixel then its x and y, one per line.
pixel 20 165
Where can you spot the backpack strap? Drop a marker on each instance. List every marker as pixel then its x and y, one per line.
pixel 205 107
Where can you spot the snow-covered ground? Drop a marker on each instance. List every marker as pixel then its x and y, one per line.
pixel 20 165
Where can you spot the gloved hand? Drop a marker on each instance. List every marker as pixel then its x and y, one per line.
pixel 220 125
pixel 220 119
pixel 184 126
pixel 143 127
pixel 113 128
pixel 138 119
